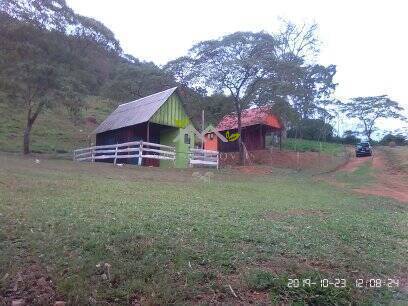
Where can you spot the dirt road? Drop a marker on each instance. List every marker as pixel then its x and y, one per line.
pixel 389 182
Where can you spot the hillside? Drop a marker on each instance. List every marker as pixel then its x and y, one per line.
pixel 54 132
pixel 71 69
pixel 60 71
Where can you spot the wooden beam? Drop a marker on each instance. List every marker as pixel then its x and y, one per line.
pixel 280 140
pixel 148 132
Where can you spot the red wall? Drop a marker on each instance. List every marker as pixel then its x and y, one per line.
pixel 253 136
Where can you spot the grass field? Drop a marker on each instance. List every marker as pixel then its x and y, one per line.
pixel 311 145
pixel 153 236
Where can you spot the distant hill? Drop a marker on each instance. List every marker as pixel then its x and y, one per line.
pixel 91 67
pixel 90 72
pixel 56 15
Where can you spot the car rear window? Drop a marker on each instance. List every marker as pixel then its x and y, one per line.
pixel 364 144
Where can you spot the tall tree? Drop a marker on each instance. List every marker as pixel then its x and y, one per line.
pixel 52 57
pixel 299 40
pixel 34 74
pixel 369 109
pixel 235 64
pixel 35 86
pixel 131 81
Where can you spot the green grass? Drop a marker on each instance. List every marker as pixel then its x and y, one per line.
pixel 170 239
pixel 304 145
pixel 362 176
pixel 53 132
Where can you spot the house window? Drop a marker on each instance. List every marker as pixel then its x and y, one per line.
pixel 186 139
pixel 211 136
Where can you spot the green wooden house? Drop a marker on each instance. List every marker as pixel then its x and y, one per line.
pixel 158 118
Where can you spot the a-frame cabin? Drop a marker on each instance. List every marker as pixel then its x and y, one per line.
pixel 156 119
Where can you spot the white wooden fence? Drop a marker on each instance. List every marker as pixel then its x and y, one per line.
pixel 204 157
pixel 134 149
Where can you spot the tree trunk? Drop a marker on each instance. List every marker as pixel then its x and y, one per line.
pixel 240 147
pixel 30 121
pixel 367 131
pixel 26 139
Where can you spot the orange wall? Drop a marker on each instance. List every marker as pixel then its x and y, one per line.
pixel 210 144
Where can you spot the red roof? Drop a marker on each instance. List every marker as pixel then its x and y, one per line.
pixel 252 116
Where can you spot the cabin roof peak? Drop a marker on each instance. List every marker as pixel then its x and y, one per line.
pixel 135 112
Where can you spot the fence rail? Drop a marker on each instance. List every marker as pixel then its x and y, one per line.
pixel 134 149
pixel 204 157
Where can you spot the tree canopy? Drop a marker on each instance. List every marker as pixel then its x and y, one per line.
pixel 261 69
pixel 42 68
pixel 234 64
pixel 369 109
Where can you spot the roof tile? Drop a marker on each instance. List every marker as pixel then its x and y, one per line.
pixel 252 116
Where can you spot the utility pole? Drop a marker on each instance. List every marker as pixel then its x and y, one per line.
pixel 202 129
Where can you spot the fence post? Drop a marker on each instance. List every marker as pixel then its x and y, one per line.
pixel 218 159
pixel 297 161
pixel 93 154
pixel 74 156
pixel 174 157
pixel 140 153
pixel 116 155
pixel 320 150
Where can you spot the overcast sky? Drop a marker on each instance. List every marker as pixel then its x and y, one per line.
pixel 367 40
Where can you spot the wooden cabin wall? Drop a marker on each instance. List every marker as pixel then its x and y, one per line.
pixel 128 134
pixel 253 136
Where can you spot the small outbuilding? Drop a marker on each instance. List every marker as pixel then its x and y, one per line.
pixel 260 129
pixel 154 119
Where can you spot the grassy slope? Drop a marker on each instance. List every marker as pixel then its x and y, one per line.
pixel 169 238
pixel 53 132
pixel 398 156
pixel 312 145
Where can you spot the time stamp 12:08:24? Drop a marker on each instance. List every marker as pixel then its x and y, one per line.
pixel 342 283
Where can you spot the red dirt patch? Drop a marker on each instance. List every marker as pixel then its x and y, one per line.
pixel 389 182
pixel 385 192
pixel 254 169
pixel 285 159
pixel 91 120
pixel 32 285
pixel 354 164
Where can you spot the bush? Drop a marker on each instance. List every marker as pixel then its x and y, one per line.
pixel 304 145
pixel 397 140
pixel 312 129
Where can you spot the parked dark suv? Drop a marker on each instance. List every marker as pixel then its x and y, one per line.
pixel 363 149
